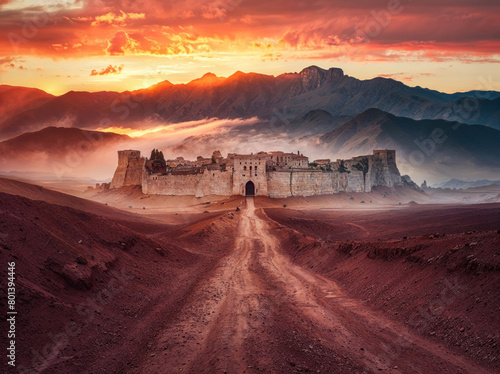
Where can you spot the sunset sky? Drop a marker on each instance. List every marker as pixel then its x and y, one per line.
pixel 62 45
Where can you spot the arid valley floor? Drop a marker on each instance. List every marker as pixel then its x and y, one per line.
pixel 119 282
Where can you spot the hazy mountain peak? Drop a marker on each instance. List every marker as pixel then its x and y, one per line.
pixel 161 85
pixel 40 148
pixel 17 89
pixel 312 69
pixel 373 114
pixel 237 74
pixel 208 79
pixel 313 76
pixel 62 132
pixel 317 113
pixel 15 99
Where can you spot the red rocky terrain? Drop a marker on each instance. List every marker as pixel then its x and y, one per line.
pixel 434 269
pixel 261 289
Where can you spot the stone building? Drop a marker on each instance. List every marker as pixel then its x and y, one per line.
pixel 273 174
pixel 129 170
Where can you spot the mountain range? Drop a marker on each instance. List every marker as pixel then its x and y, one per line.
pixel 246 95
pixel 460 184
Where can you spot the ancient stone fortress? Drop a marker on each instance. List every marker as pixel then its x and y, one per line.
pixel 273 174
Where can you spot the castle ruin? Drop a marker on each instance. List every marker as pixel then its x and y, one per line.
pixel 272 174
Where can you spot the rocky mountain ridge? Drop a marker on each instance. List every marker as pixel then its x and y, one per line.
pixel 246 95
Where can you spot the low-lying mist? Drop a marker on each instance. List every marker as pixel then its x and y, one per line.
pixel 95 159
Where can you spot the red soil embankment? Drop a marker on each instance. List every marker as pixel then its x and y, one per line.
pixel 435 268
pixel 90 283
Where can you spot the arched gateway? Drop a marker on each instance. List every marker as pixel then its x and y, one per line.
pixel 250 189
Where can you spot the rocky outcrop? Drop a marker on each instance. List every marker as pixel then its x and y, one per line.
pixel 314 77
pixel 409 183
pixel 76 275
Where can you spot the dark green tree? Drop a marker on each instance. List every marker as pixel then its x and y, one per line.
pixel 157 155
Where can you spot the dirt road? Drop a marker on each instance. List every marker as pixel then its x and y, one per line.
pixel 259 313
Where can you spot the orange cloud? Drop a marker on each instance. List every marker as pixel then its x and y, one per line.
pixel 165 41
pixel 10 63
pixel 121 43
pixel 117 19
pixel 108 71
pixel 360 31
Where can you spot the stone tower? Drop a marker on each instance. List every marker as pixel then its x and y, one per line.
pixel 129 169
pixel 384 169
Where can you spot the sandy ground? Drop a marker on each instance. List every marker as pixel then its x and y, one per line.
pixel 266 289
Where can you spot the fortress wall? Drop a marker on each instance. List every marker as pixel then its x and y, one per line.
pixel 121 170
pixel 394 174
pixel 370 175
pixel 355 182
pixel 278 184
pixel 340 184
pixel 171 184
pixel 309 183
pixel 381 172
pixel 210 183
pixel 119 176
pixel 133 177
pixel 215 182
pixel 378 172
pixel 282 184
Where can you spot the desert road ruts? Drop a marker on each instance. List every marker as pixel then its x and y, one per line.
pixel 260 313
